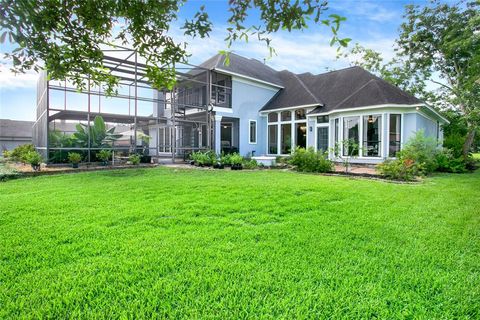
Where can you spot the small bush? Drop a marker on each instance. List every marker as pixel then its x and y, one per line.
pixel 104 155
pixel 308 160
pixel 455 142
pixel 447 162
pixel 134 159
pixel 6 154
pixel 401 169
pixel 236 159
pixel 74 157
pixel 250 164
pixel 421 150
pixel 20 153
pixel 34 158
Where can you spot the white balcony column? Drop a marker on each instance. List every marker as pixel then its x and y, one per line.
pixel 217 140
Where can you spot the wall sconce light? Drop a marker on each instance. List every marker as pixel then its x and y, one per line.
pixel 370 119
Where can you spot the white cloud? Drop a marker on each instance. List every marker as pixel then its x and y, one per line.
pixel 12 81
pixel 369 10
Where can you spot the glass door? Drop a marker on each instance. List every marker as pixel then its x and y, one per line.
pixel 322 138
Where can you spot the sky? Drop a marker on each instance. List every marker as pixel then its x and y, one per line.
pixel 371 23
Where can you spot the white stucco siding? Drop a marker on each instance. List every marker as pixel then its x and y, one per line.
pixel 248 97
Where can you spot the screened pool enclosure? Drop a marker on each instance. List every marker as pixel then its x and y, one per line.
pixel 136 119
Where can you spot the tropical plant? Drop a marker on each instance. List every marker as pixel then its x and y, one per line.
pixel 134 159
pixel 421 149
pixel 100 136
pixel 250 164
pixel 74 157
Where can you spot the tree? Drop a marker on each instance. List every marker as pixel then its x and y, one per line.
pixel 436 41
pixel 68 35
pixel 444 40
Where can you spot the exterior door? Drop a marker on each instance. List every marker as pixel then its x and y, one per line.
pixel 322 138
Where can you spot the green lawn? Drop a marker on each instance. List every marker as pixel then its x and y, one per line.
pixel 227 244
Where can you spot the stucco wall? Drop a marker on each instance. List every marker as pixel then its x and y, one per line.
pixel 416 121
pixel 247 99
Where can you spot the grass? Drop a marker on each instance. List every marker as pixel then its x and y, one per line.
pixel 164 243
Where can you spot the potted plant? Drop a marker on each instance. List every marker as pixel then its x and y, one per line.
pixel 236 160
pixel 35 159
pixel 105 156
pixel 74 158
pixel 134 159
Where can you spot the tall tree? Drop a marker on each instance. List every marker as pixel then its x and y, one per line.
pixel 444 40
pixel 67 36
pixel 438 43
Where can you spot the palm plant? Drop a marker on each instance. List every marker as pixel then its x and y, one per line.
pixel 100 136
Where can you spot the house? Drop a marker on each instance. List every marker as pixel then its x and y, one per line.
pixel 244 107
pixel 14 133
pixel 271 112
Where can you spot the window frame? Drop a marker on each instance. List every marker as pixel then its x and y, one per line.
pixel 362 134
pixel 250 121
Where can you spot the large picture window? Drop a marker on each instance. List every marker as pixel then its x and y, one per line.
pixel 394 134
pixel 372 137
pixel 272 139
pixel 322 139
pixel 286 138
pixel 351 133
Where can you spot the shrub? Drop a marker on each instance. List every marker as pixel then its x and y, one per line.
pixel 104 155
pixel 34 159
pixel 421 150
pixel 308 160
pixel 236 159
pixel 401 169
pixel 250 164
pixel 447 162
pixel 20 152
pixel 225 159
pixel 134 159
pixel 6 154
pixel 454 142
pixel 74 157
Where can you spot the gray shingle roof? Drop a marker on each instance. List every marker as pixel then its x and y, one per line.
pixel 342 89
pixel 247 67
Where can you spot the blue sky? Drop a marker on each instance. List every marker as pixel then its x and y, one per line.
pixel 373 24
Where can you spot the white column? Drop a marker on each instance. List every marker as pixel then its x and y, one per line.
pixel 218 146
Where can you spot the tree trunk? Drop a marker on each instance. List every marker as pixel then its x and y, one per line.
pixel 468 141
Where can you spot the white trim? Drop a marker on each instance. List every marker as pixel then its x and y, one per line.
pixel 436 113
pixel 256 131
pixel 365 108
pixel 253 83
pixel 247 77
pixel 218 118
pixel 290 108
pixel 221 109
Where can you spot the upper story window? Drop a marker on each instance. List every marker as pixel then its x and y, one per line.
pixel 286 115
pixel 300 114
pixel 221 90
pixel 322 119
pixel 272 117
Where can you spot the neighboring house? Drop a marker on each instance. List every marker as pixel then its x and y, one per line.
pixel 271 112
pixel 14 133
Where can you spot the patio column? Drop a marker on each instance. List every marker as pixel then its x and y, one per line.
pixel 217 140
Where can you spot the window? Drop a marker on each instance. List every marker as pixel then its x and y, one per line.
pixel 286 138
pixel 272 139
pixel 286 115
pixel 322 139
pixel 301 135
pixel 272 117
pixel 252 126
pixel 337 130
pixel 394 134
pixel 350 136
pixel 322 119
pixel 300 114
pixel 372 136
